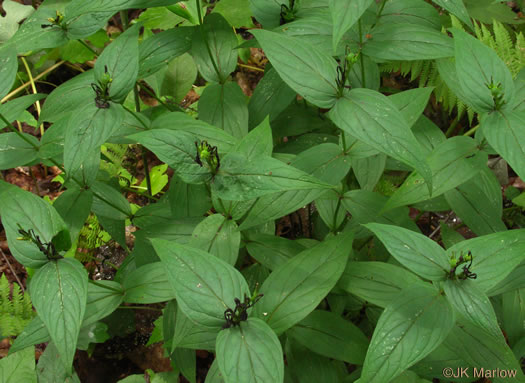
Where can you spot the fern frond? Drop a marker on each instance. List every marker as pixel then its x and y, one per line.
pixel 16 312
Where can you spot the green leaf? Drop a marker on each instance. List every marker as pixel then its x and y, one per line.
pixel 12 110
pixel 344 15
pixel 494 256
pixel 121 58
pixel 330 210
pixel 59 294
pixel 9 65
pixel 411 103
pixel 148 284
pixel 193 274
pixel 224 106
pixel 114 206
pixel 271 96
pixel 410 12
pixel 407 42
pixel 161 48
pixel 68 98
pixel 369 170
pixel 267 12
pixel 159 18
pixel 373 118
pixel 413 250
pixel 294 289
pixel 218 236
pixel 327 334
pixel 326 162
pixel 188 200
pixel 15 13
pixel 479 348
pixel 452 163
pixel 473 305
pixel 177 149
pixel 270 250
pixel 457 8
pixel 35 332
pixel 218 36
pixel 50 369
pixel 19 207
pixel 176 79
pixel 308 71
pixel 236 12
pixel 513 315
pixel 87 129
pixel 74 206
pixel 200 130
pixel 258 142
pixel 102 299
pixel 409 329
pixel 185 359
pixel 32 37
pixel 241 178
pixel 15 151
pixel 250 353
pixel 214 375
pixel 366 206
pixel 503 130
pixel 18 367
pixel 478 202
pixel 478 66
pixel 514 280
pixel 189 334
pixel 487 11
pixel 307 367
pixel 376 282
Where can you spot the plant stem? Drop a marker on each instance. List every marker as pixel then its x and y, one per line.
pixel 105 287
pixel 203 33
pixel 451 128
pixel 362 61
pixel 124 19
pixel 381 9
pixel 335 214
pixel 23 137
pixel 144 157
pixel 472 131
pixel 88 47
pixel 32 82
pixel 22 87
pixel 171 108
pixel 251 67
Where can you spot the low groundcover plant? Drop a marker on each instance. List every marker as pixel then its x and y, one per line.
pixel 301 191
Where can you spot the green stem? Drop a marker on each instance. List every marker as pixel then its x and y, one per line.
pixel 124 19
pixel 58 165
pixel 136 118
pixel 144 157
pixel 363 82
pixel 381 9
pixel 472 131
pixel 452 126
pixel 88 47
pixel 335 214
pixel 105 287
pixel 203 33
pixel 171 108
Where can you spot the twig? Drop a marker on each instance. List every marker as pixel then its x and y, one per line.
pixel 22 87
pixel 33 86
pixel 12 270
